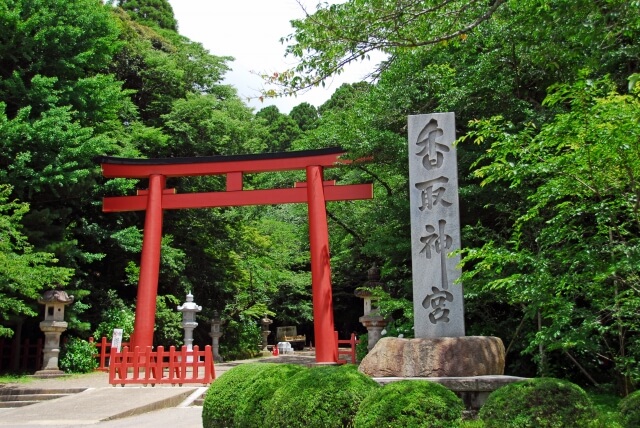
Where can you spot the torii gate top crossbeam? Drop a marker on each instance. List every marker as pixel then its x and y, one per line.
pixel 114 167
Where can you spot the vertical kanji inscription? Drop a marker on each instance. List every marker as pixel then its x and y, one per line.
pixel 435 226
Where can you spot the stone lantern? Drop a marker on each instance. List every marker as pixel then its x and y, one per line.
pixel 189 310
pixel 53 326
pixel 215 334
pixel 264 324
pixel 372 320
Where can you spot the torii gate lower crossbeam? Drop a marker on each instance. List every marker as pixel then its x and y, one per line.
pixel 315 192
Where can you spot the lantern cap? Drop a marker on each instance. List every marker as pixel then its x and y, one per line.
pixel 55 296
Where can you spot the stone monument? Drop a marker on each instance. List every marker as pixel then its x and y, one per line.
pixel 472 366
pixel 53 326
pixel 435 226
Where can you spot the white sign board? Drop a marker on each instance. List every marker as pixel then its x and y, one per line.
pixel 116 339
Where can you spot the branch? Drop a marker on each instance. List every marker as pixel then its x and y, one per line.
pixel 582 369
pixel 378 179
pixel 358 43
pixel 349 230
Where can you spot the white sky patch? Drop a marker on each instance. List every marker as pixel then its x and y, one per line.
pixel 250 31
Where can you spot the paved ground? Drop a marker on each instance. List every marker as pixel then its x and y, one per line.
pixel 117 407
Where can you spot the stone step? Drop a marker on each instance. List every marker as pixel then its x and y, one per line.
pixel 20 397
pixel 30 397
pixel 25 391
pixel 14 404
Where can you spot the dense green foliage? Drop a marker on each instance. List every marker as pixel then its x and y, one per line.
pixel 630 410
pixel 547 107
pixel 540 402
pixel 241 398
pixel 548 192
pixel 24 273
pixel 78 356
pixel 320 397
pixel 410 404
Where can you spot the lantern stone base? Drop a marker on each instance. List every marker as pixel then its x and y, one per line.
pixel 437 357
pixel 49 374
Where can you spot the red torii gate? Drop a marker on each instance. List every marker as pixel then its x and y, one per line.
pixel 315 192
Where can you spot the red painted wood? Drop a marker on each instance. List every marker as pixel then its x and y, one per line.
pixel 161 367
pixel 149 265
pixel 323 326
pixel 144 192
pixel 243 198
pixel 234 181
pixel 324 183
pixel 187 169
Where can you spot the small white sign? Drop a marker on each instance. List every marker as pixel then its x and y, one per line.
pixel 116 340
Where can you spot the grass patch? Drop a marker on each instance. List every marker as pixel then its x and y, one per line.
pixel 15 378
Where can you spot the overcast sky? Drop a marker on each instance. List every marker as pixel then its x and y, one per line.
pixel 250 31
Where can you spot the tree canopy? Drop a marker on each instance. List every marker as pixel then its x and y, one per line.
pixel 546 101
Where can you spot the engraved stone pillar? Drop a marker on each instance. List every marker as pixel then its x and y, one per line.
pixel 215 334
pixel 52 327
pixel 435 226
pixel 189 310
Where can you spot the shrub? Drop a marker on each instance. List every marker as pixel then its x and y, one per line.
pixel 78 356
pixel 411 404
pixel 116 315
pixel 219 408
pixel 253 404
pixel 630 410
pixel 322 397
pixel 541 403
pixel 242 340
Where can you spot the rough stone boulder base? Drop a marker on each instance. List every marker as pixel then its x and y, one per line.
pixel 437 357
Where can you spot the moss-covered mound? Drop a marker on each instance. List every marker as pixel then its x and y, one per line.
pixel 224 394
pixel 540 403
pixel 410 404
pixel 630 410
pixel 319 397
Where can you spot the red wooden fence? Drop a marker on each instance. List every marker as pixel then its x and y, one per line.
pixel 144 366
pixel 350 352
pixel 104 349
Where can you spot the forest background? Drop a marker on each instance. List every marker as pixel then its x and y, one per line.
pixel 548 116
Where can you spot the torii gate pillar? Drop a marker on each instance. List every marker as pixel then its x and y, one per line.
pixel 323 327
pixel 149 264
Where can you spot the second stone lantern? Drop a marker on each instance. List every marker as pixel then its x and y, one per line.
pixel 372 320
pixel 189 310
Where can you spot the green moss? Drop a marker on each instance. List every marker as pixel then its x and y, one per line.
pixel 540 403
pixel 630 410
pixel 319 397
pixel 411 404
